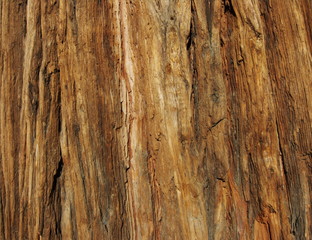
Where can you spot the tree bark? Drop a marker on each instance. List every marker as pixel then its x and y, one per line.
pixel 155 119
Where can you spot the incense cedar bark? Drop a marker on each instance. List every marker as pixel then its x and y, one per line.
pixel 155 119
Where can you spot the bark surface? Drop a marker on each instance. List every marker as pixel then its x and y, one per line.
pixel 155 119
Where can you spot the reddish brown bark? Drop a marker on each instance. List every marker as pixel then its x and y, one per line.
pixel 158 119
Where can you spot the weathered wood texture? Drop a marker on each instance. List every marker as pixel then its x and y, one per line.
pixel 155 119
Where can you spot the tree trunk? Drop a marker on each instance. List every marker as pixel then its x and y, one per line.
pixel 156 119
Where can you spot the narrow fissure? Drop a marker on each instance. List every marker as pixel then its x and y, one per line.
pixel 190 46
pixel 281 151
pixel 190 37
pixel 57 175
pixel 216 124
pixel 228 7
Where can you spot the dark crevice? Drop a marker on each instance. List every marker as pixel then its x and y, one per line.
pixel 281 151
pixel 253 28
pixel 189 38
pixel 221 179
pixel 192 56
pixel 228 7
pixel 209 15
pixel 269 231
pixel 22 5
pixel 221 42
pixel 191 35
pixel 195 98
pixel 216 123
pixel 56 176
pixel 58 229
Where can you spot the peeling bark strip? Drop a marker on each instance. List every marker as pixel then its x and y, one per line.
pixel 155 119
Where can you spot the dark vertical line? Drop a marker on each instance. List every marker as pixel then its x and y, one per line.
pixel 209 15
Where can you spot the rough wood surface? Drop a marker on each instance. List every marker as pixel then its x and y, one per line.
pixel 155 119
